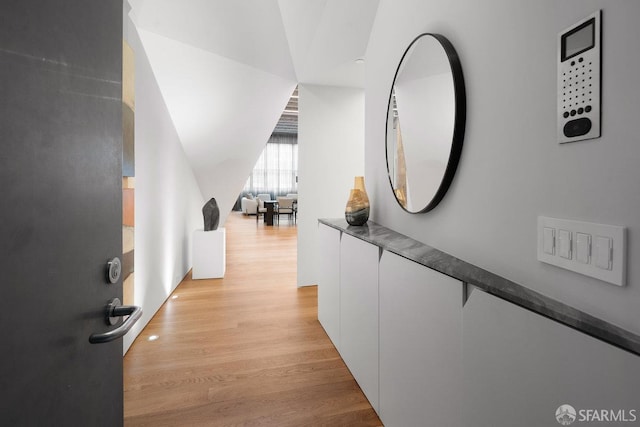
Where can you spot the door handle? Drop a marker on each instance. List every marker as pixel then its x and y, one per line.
pixel 113 311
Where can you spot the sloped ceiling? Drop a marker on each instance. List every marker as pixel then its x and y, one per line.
pixel 326 37
pixel 226 70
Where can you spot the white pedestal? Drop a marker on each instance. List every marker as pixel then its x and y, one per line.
pixel 209 254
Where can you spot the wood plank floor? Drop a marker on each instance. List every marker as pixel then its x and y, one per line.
pixel 246 350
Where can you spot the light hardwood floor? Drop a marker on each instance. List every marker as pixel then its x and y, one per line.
pixel 246 350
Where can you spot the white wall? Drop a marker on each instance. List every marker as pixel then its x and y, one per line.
pixel 330 155
pixel 512 169
pixel 168 201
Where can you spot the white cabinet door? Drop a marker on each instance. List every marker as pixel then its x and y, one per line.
pixel 520 367
pixel 420 345
pixel 329 282
pixel 359 313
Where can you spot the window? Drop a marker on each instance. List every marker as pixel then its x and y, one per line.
pixel 276 170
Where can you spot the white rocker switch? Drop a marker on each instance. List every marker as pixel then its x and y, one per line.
pixel 549 240
pixel 602 253
pixel 564 244
pixel 583 247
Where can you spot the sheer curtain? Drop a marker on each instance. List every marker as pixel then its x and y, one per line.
pixel 276 170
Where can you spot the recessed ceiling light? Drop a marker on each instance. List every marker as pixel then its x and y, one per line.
pixel 174 297
pixel 359 61
pixel 153 338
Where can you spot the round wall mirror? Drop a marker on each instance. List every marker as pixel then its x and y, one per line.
pixel 425 123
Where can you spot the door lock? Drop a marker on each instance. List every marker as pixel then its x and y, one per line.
pixel 114 269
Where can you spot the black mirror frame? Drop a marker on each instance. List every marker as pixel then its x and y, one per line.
pixel 459 120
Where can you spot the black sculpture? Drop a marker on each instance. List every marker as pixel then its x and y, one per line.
pixel 211 214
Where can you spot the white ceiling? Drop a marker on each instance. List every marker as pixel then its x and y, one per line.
pixel 310 41
pixel 226 70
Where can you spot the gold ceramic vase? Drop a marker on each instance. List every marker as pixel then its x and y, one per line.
pixel 357 210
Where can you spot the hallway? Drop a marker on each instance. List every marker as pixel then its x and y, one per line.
pixel 243 350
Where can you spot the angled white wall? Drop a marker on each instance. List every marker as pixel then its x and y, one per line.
pixel 330 155
pixel 512 168
pixel 168 202
pixel 325 38
pixel 223 111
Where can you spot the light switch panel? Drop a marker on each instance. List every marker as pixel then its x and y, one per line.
pixel 595 250
pixel 583 248
pixel 564 244
pixel 603 253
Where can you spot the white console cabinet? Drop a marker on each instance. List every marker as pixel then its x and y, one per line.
pixel 420 345
pixel 520 367
pixel 329 282
pixel 428 350
pixel 359 313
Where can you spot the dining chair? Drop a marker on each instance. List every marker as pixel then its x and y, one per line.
pixel 285 206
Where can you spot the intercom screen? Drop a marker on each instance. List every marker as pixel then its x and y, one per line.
pixel 578 40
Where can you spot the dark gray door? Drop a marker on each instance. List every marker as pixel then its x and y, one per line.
pixel 60 214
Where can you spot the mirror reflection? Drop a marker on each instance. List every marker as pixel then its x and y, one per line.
pixel 423 124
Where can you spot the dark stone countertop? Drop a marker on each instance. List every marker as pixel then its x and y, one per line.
pixel 493 284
